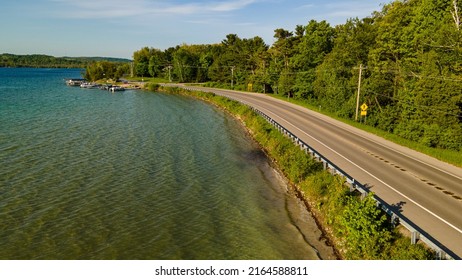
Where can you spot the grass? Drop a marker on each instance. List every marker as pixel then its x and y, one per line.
pixel 146 80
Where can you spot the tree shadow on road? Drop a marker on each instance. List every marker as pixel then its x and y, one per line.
pixel 398 207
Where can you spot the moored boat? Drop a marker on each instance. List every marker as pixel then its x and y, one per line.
pixel 75 82
pixel 116 88
pixel 89 85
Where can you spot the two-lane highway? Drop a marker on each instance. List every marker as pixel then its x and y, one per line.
pixel 426 190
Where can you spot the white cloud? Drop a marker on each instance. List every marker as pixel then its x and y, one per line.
pixel 123 8
pixel 350 9
pixel 336 12
pixel 227 6
pixel 306 6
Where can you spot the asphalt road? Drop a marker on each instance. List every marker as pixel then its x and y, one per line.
pixel 426 190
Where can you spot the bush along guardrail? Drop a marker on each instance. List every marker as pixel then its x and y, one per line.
pixel 396 217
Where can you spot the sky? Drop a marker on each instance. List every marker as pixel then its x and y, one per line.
pixel 117 28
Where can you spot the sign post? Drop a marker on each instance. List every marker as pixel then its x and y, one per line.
pixel 364 111
pixel 359 90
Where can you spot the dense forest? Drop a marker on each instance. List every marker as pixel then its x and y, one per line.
pixel 409 56
pixel 40 61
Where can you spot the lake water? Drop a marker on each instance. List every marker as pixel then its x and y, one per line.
pixel 88 174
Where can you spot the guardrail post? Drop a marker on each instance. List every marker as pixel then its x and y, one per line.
pixel 394 220
pixel 415 235
pixel 440 255
pixel 332 171
pixel 352 186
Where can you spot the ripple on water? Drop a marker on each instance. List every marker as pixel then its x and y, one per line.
pixel 133 175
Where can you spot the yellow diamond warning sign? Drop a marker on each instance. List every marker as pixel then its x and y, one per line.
pixel 364 107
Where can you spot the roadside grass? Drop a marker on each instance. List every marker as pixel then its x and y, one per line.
pixel 146 80
pixel 355 226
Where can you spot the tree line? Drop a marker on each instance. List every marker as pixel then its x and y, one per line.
pixel 408 55
pixel 42 61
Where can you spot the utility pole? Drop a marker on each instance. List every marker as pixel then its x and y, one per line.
pixel 455 14
pixel 232 77
pixel 169 74
pixel 359 91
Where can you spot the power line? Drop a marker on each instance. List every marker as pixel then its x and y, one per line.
pixel 361 68
pixel 333 70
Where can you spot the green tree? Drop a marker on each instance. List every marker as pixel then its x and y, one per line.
pixel 336 79
pixel 157 63
pixel 105 70
pixel 415 72
pixel 187 63
pixel 141 62
pixel 314 45
pixel 280 71
pixel 229 62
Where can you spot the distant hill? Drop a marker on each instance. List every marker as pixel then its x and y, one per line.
pixel 99 58
pixel 47 61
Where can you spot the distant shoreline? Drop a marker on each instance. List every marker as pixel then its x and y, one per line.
pixel 47 61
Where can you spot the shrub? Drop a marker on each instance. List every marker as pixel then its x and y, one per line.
pixel 365 228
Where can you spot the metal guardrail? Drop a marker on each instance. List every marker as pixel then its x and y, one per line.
pixel 397 217
pixel 442 252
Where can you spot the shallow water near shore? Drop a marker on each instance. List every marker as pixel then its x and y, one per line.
pixel 88 174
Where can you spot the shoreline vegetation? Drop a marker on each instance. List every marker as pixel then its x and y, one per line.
pixel 355 228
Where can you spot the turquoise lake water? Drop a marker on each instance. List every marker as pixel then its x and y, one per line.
pixel 88 174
